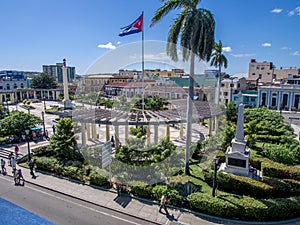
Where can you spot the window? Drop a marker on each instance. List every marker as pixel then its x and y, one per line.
pixel 238 85
pixel 259 76
pixel 262 68
pixel 222 85
pixel 1 88
pixel 225 93
pixel 257 67
pixel 274 76
pixel 253 74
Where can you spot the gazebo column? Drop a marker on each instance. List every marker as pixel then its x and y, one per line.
pixel 94 132
pixel 107 132
pixel 155 133
pixel 83 136
pixel 126 132
pixel 181 130
pixel 117 141
pixel 216 123
pixel 148 134
pixel 88 131
pixel 168 131
pixel 209 126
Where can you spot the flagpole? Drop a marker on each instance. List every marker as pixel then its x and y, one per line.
pixel 143 65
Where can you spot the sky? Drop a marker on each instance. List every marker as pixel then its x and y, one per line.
pixel 36 33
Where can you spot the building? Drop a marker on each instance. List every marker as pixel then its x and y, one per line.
pixel 264 73
pixel 56 70
pixel 97 82
pixel 11 80
pixel 279 97
pixel 229 86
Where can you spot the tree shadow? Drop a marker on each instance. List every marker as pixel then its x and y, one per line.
pixel 123 200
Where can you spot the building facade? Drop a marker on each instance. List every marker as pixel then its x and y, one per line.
pixel 279 97
pixel 56 70
pixel 11 80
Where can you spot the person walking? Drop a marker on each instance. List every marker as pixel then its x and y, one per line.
pixel 3 169
pixel 17 150
pixel 118 188
pixel 10 156
pixel 163 201
pixel 31 167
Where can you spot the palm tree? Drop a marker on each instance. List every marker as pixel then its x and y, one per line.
pixel 218 60
pixel 195 27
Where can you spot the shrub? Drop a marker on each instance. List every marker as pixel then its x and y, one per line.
pixel 43 151
pixel 73 172
pixel 244 207
pixel 272 169
pixel 140 188
pixel 173 195
pixel 48 164
pixel 241 185
pixel 98 177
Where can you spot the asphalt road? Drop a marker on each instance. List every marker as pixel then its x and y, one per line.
pixel 61 209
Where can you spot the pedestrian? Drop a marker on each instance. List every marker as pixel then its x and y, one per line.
pixel 118 188
pixel 46 133
pixel 10 156
pixel 3 169
pixel 17 150
pixel 112 141
pixel 13 165
pixel 163 201
pixel 31 167
pixel 53 129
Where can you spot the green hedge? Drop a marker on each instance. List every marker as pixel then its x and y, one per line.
pixel 74 172
pixel 98 177
pixel 245 208
pixel 173 194
pixel 48 164
pixel 139 188
pixel 273 169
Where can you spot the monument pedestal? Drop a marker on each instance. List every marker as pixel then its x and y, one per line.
pixel 67 104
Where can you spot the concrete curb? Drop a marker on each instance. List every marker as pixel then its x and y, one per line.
pixel 201 215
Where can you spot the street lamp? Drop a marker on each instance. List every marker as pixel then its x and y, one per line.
pixel 44 103
pixel 216 162
pixel 43 119
pixel 28 147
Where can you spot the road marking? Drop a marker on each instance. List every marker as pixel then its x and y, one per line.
pixel 95 210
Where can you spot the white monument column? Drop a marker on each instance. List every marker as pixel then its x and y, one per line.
pixel 66 101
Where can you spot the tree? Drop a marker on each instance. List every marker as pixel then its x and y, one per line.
pixel 3 112
pixel 17 122
pixel 195 27
pixel 44 81
pixel 218 60
pixel 63 142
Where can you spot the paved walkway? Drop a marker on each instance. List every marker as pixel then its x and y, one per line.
pixel 141 208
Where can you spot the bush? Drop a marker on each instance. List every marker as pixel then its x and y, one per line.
pixel 245 208
pixel 98 177
pixel 48 164
pixel 272 169
pixel 73 172
pixel 43 151
pixel 173 195
pixel 139 188
pixel 241 185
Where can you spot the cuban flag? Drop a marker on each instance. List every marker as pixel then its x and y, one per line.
pixel 135 27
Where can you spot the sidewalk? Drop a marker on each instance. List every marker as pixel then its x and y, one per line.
pixel 137 207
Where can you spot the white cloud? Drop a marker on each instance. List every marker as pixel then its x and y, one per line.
pixel 227 49
pixel 295 11
pixel 109 45
pixel 119 42
pixel 285 48
pixel 242 55
pixel 276 10
pixel 296 53
pixel 266 44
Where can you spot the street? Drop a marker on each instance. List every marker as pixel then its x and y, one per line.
pixel 58 208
